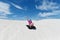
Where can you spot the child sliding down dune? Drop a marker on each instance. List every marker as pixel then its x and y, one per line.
pixel 30 23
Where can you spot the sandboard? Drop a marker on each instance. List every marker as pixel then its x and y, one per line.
pixel 32 27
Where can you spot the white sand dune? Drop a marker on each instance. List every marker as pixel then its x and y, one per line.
pixel 48 29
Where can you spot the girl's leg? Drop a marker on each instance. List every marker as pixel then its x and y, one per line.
pixel 31 24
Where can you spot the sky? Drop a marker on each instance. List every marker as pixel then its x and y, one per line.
pixel 32 9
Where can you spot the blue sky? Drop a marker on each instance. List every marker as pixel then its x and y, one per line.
pixel 33 9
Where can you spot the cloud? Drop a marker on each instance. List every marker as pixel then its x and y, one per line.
pixel 46 14
pixel 4 9
pixel 3 16
pixel 46 5
pixel 17 6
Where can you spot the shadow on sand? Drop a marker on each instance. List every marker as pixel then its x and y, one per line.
pixel 32 27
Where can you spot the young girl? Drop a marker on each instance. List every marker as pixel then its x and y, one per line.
pixel 30 23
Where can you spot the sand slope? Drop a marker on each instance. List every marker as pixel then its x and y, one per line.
pixel 48 29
